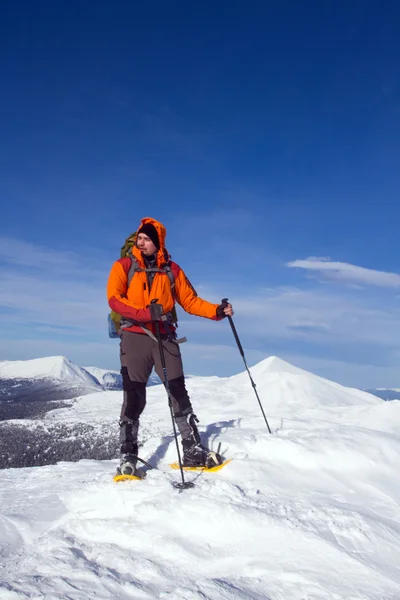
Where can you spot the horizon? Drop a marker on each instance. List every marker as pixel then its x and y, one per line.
pixel 89 368
pixel 266 139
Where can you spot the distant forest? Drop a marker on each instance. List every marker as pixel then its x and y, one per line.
pixel 36 444
pixel 23 446
pixel 41 442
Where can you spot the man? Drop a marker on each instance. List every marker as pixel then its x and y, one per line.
pixel 130 294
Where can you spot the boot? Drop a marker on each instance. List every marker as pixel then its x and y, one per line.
pixel 127 465
pixel 129 447
pixel 197 455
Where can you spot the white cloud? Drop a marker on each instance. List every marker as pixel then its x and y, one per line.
pixel 58 289
pixel 291 314
pixel 53 300
pixel 347 273
pixel 317 316
pixel 20 252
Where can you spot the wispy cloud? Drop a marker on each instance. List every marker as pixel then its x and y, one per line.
pixel 51 288
pixel 347 273
pixel 317 316
pixel 20 252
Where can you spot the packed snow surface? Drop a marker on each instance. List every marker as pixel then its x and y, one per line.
pixel 309 512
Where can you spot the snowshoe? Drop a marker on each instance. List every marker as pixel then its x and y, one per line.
pixel 127 465
pixel 197 455
pixel 223 464
pixel 127 469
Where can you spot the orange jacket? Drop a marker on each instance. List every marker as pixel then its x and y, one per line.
pixel 133 302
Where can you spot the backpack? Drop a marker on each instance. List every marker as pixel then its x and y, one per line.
pixel 114 319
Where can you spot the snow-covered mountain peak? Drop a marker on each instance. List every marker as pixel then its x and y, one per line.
pixel 290 388
pixel 52 367
pixel 110 379
pixel 274 364
pixel 105 377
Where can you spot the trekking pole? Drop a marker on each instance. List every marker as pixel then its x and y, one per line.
pixel 185 484
pixel 239 345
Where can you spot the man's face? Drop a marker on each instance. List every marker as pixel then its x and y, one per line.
pixel 145 245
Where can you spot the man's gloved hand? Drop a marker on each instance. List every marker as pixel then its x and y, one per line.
pixel 223 310
pixel 156 311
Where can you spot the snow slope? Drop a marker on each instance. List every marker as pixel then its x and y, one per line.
pixel 310 512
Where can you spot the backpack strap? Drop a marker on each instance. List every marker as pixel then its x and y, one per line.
pixel 171 276
pixel 134 268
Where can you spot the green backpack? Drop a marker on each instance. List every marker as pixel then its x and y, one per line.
pixel 114 319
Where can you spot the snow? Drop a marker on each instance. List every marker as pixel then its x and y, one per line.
pixel 54 367
pixel 310 512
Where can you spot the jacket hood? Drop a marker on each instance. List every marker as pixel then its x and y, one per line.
pixel 162 254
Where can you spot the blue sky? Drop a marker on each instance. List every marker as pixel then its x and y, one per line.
pixel 264 135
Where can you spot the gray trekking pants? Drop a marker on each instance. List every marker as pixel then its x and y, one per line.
pixel 139 353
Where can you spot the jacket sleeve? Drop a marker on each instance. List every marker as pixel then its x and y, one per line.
pixel 187 297
pixel 116 295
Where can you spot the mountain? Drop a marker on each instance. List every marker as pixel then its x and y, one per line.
pixel 112 380
pixel 53 367
pixel 309 511
pixel 108 379
pixel 297 389
pixel 27 386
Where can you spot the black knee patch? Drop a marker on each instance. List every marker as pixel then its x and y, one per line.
pixel 178 391
pixel 127 383
pixel 135 396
